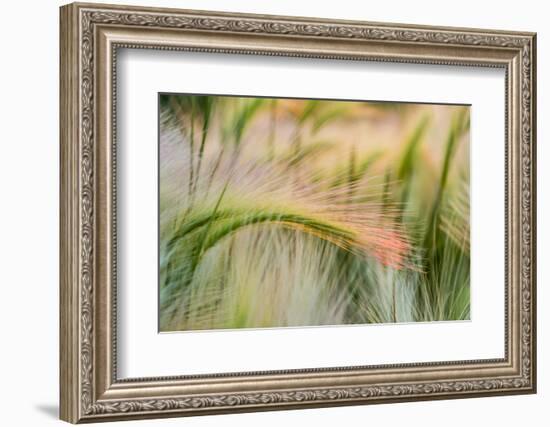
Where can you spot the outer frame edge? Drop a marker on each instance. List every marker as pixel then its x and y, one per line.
pixel 68 223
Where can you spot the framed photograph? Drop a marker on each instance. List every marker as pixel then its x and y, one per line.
pixel 265 212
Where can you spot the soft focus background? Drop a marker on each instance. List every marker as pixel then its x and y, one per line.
pixel 29 176
pixel 293 212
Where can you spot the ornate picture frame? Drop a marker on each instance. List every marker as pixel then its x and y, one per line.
pixel 90 37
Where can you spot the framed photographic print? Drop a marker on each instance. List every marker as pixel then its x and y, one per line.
pixel 264 212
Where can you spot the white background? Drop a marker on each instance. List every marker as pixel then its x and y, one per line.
pixel 141 347
pixel 29 171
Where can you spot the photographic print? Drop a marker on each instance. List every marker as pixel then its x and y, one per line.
pixel 282 212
